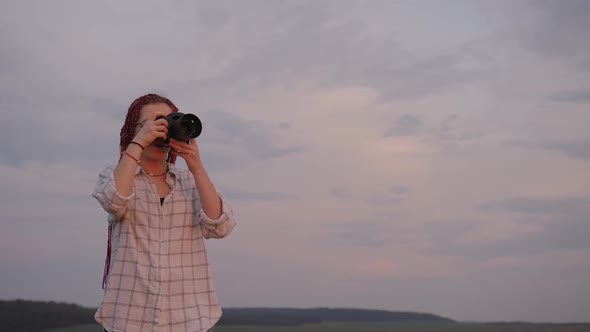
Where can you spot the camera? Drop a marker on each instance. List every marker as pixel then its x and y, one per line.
pixel 182 127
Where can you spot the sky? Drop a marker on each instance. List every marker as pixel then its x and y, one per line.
pixel 420 156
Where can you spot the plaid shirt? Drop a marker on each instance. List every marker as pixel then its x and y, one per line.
pixel 160 278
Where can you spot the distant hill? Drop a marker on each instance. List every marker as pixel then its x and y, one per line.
pixel 290 316
pixel 34 316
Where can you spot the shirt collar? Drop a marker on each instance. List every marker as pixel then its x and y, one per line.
pixel 174 170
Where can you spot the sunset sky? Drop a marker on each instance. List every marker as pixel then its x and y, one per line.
pixel 429 156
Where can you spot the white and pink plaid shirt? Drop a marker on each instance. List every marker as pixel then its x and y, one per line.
pixel 159 277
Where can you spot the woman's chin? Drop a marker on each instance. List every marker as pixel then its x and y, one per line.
pixel 159 145
pixel 155 152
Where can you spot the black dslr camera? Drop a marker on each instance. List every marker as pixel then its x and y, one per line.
pixel 182 127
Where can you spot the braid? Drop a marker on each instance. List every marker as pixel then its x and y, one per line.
pixel 128 129
pixel 127 132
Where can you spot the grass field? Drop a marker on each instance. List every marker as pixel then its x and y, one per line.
pixel 383 327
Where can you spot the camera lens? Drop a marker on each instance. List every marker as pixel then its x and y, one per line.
pixel 183 127
pixel 186 128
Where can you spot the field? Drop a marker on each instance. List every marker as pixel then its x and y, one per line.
pixel 384 327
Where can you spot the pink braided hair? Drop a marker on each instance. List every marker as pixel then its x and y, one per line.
pixel 127 133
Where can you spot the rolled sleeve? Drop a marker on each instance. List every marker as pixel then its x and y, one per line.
pixel 215 228
pixel 105 191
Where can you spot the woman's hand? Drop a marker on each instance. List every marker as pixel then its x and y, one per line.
pixel 151 130
pixel 188 152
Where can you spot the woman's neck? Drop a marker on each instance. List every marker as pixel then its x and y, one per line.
pixel 154 167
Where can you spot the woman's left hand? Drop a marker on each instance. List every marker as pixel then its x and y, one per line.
pixel 188 152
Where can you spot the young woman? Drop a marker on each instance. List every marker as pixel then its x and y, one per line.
pixel 157 275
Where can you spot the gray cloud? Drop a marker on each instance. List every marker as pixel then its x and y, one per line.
pixel 285 125
pixel 393 195
pixel 573 96
pixel 564 224
pixel 539 205
pixel 276 152
pixel 425 76
pixel 574 149
pixel 237 195
pixel 583 65
pixel 397 189
pixel 405 125
pixel 372 232
pixel 216 160
pixel 556 28
pixel 448 134
pixel 363 237
pixel 450 131
pixel 57 129
pixel 341 192
pixel 251 138
pixel 290 41
pixel 560 233
pixel 383 200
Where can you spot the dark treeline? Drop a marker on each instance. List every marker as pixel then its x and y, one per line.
pixel 34 316
pixel 289 316
pixel 37 316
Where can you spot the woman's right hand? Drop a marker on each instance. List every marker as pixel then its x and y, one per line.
pixel 151 130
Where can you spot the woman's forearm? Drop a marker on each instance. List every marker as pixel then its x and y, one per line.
pixel 210 200
pixel 125 170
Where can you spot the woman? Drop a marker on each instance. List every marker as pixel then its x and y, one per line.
pixel 158 216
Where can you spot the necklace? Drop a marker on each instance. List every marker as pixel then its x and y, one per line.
pixel 150 174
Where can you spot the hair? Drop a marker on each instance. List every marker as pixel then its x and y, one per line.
pixel 128 129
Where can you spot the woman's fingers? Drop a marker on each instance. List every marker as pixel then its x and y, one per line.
pixel 162 128
pixel 161 122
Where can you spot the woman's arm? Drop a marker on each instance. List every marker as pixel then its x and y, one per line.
pixel 125 170
pixel 107 195
pixel 215 216
pixel 210 200
pixel 212 212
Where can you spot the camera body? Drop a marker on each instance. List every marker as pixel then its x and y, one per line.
pixel 182 127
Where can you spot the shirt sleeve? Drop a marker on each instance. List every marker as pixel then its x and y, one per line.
pixel 215 228
pixel 105 191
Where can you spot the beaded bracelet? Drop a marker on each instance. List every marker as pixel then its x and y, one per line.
pixel 141 146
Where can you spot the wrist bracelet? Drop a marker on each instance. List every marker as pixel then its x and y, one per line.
pixel 141 146
pixel 132 157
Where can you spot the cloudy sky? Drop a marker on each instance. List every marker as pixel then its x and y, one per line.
pixel 403 155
